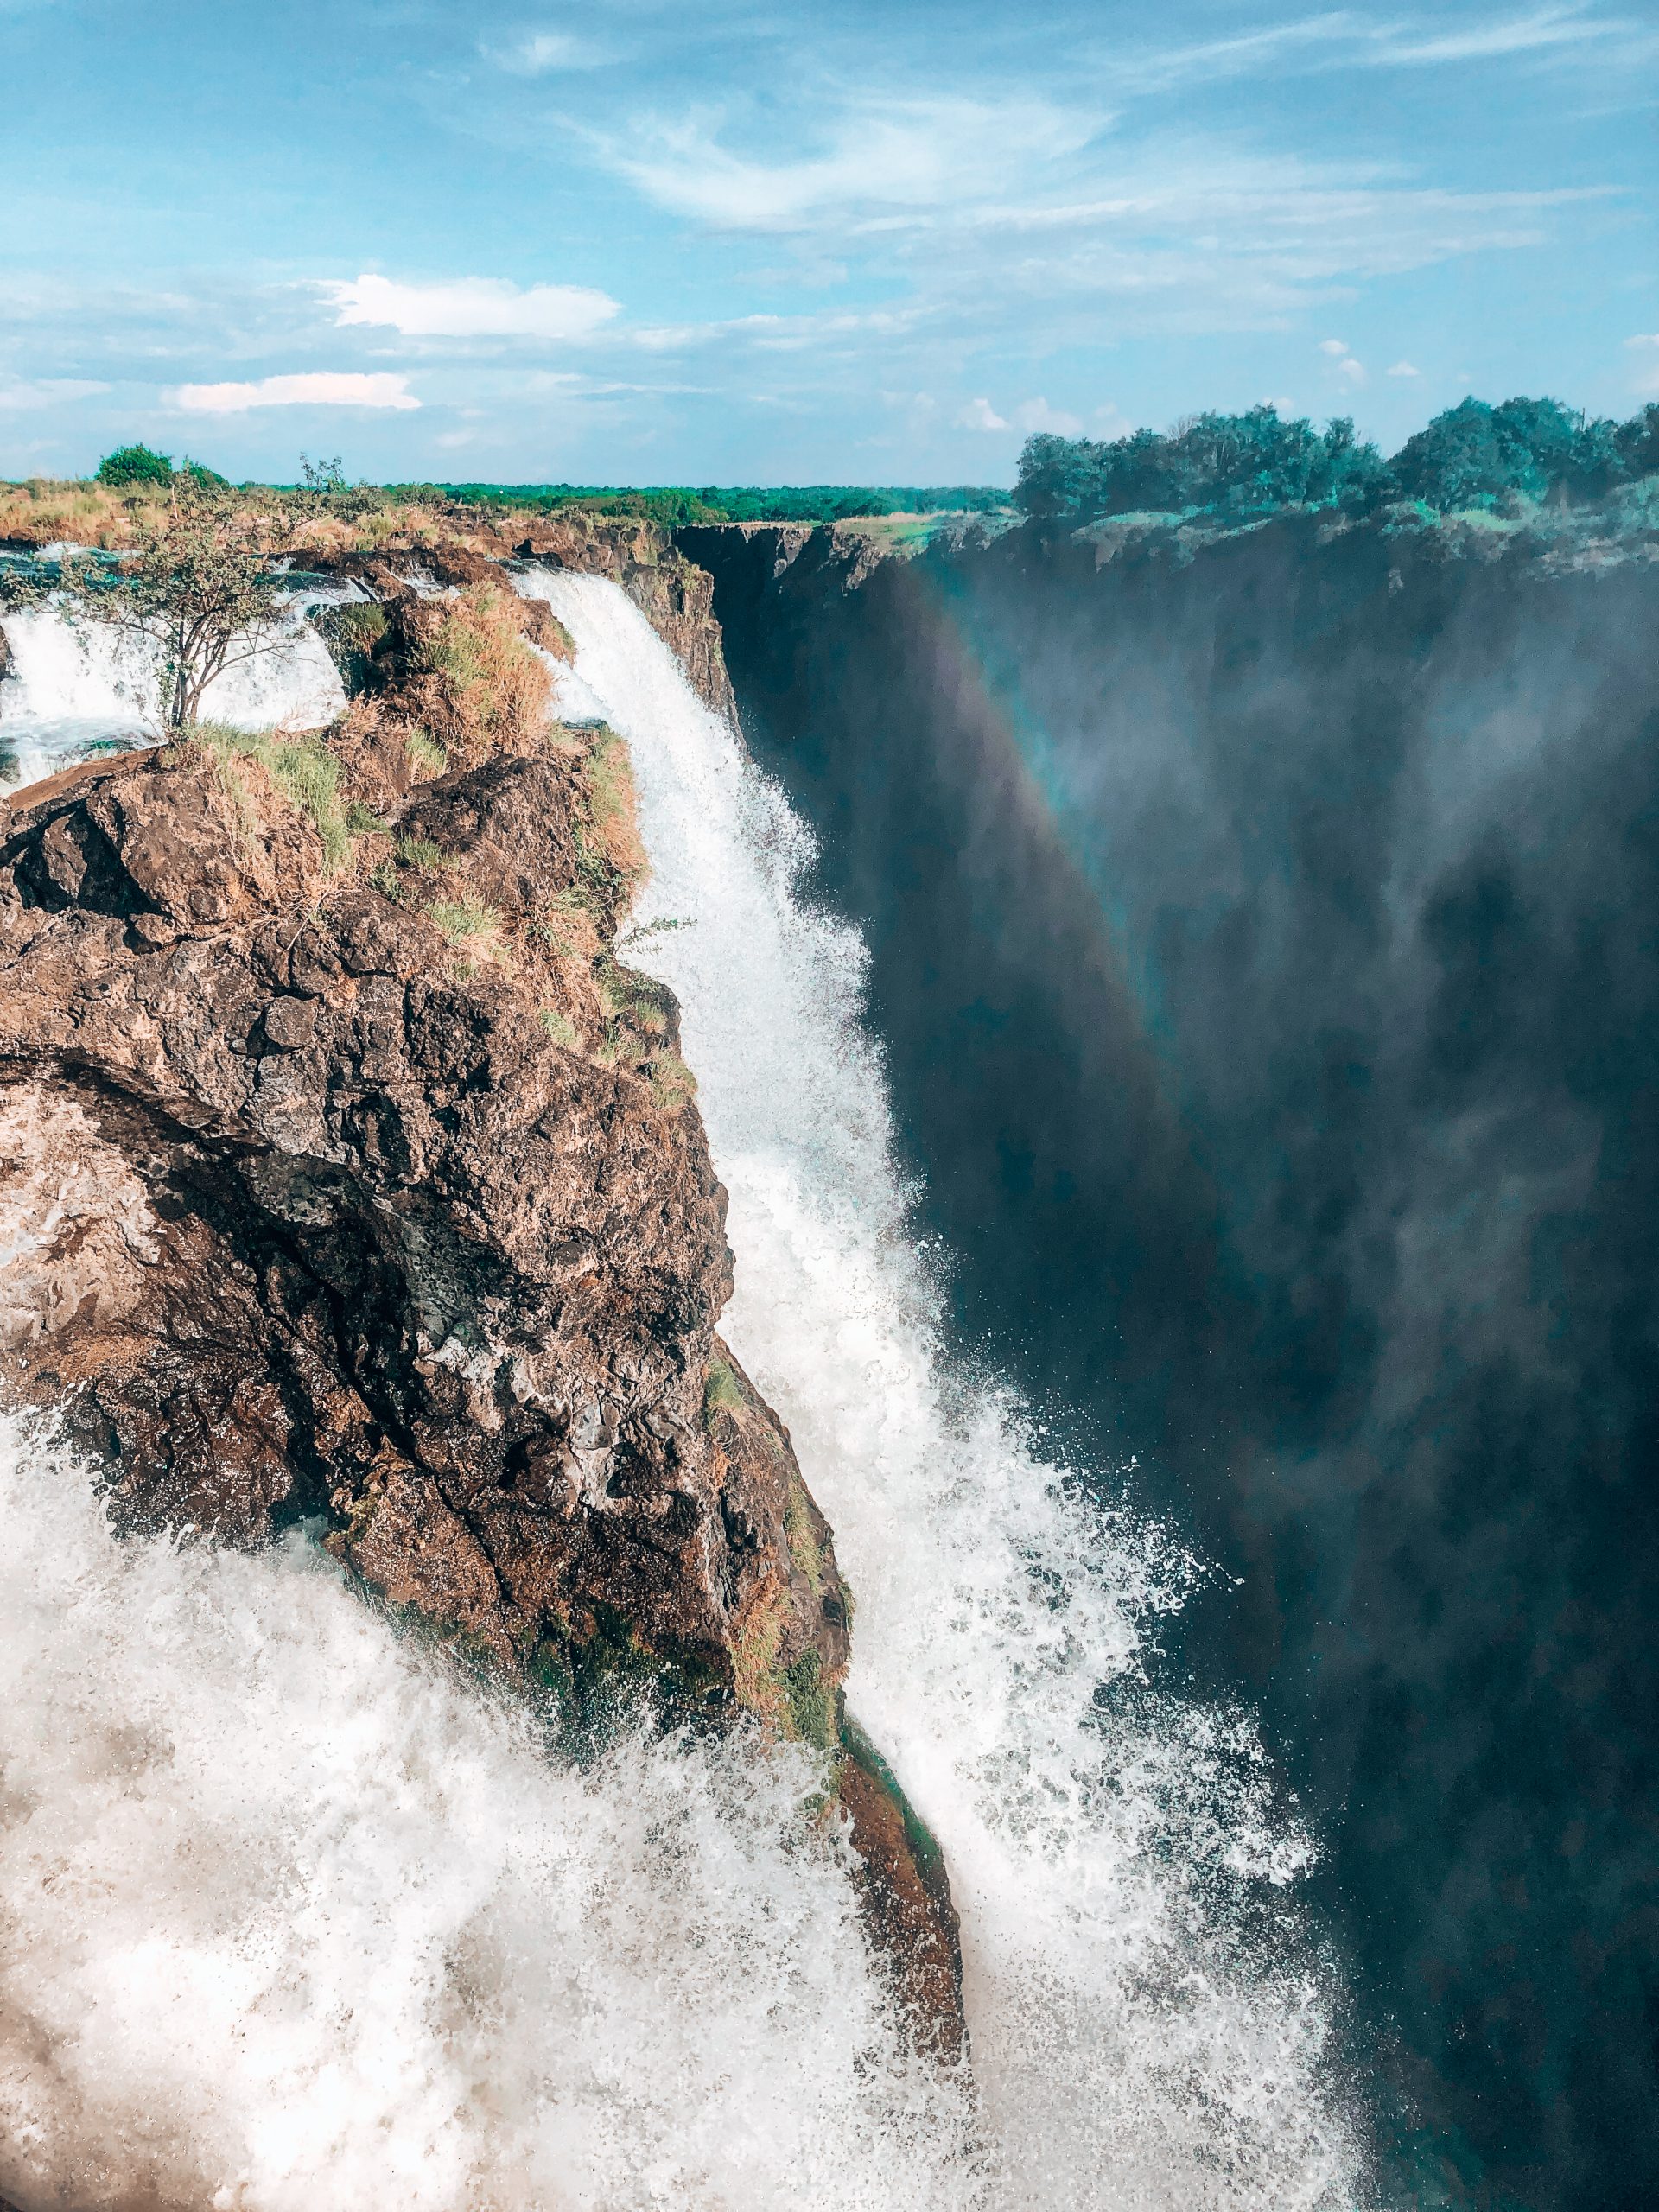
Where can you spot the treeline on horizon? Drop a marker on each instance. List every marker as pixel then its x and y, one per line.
pixel 677 505
pixel 1500 460
pixel 1475 458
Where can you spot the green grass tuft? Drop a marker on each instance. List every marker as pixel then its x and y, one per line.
pixel 426 758
pixel 421 853
pixel 302 769
pixel 721 1391
pixel 469 922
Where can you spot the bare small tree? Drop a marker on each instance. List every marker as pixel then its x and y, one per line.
pixel 197 584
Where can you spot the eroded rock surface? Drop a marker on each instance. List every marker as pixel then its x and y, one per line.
pixel 374 1188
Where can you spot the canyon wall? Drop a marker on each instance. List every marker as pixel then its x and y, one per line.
pixel 1262 947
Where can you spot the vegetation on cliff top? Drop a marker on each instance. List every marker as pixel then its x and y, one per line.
pixel 1473 458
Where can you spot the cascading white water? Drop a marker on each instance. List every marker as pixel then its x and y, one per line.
pixel 293 1919
pixel 1146 2031
pixel 73 684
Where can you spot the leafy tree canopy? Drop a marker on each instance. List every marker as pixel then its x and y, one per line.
pixel 135 465
pixel 1233 467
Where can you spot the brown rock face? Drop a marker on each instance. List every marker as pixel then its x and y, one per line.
pixel 311 1218
pixel 348 1173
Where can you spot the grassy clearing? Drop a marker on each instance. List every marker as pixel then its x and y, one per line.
pixel 301 770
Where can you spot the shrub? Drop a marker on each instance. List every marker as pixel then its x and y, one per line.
pixel 559 1028
pixel 135 465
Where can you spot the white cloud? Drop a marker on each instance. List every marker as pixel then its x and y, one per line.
pixel 317 387
pixel 47 391
pixel 980 415
pixel 1649 338
pixel 1351 369
pixel 539 51
pixel 1038 415
pixel 1404 369
pixel 1334 346
pixel 472 307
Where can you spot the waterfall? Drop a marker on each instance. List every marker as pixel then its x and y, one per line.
pixel 293 1914
pixel 1149 2028
pixel 75 683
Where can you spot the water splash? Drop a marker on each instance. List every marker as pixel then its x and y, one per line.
pixel 1150 2027
pixel 76 684
pixel 291 1917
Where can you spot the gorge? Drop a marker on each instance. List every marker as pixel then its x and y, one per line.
pixel 1242 1308
pixel 1262 937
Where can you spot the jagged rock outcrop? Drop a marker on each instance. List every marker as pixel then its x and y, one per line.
pixel 347 1171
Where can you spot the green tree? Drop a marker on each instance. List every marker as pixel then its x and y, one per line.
pixel 135 465
pixel 197 585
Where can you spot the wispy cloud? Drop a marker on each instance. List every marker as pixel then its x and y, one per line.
pixel 46 392
pixel 472 307
pixel 540 53
pixel 980 415
pixel 316 388
pixel 876 159
pixel 1404 369
pixel 1349 39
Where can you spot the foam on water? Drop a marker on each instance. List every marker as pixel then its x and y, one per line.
pixel 1149 2027
pixel 75 683
pixel 291 1917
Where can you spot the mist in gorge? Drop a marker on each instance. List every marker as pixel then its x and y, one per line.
pixel 1262 952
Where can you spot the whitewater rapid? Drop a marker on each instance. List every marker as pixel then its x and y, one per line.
pixel 293 1916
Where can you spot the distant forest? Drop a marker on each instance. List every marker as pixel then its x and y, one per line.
pixel 1474 458
pixel 674 503
pixel 1504 462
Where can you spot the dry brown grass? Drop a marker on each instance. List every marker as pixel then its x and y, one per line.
pixel 43 510
pixel 475 686
pixel 613 809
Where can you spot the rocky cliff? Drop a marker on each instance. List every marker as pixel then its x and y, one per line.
pixel 349 1173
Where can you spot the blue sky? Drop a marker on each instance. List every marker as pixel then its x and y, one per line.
pixel 851 240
